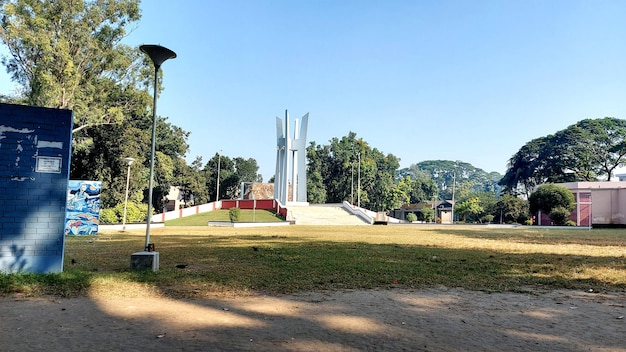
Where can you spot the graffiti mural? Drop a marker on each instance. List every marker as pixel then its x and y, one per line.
pixel 83 207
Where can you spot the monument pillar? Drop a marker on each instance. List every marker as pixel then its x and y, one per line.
pixel 290 160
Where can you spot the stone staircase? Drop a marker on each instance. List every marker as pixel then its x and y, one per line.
pixel 323 214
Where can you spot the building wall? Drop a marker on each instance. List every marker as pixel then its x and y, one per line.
pixel 608 209
pixel 35 151
pixel 608 201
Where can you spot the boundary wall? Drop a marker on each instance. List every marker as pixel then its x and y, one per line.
pixel 261 204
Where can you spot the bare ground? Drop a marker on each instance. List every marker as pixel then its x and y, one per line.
pixel 374 320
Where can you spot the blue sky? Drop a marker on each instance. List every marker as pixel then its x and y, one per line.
pixel 455 80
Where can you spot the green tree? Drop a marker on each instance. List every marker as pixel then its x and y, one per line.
pixel 420 187
pixel 232 172
pixel 318 160
pixel 550 196
pixel 469 209
pixel 247 170
pixel 510 208
pixel 559 215
pixel 586 151
pixel 191 181
pixel 68 54
pixel 104 160
pixel 338 167
pixel 445 173
pixel 427 214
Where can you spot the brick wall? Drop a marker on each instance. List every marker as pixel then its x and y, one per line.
pixel 35 147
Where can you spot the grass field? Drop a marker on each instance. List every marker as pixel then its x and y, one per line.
pixel 207 261
pixel 222 215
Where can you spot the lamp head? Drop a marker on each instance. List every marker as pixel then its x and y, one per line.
pixel 158 54
pixel 129 160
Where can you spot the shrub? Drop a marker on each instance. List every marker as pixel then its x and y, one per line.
pixel 528 222
pixel 549 197
pixel 234 214
pixel 410 217
pixel 487 218
pixel 108 216
pixel 559 215
pixel 134 212
pixel 427 214
pixel 570 223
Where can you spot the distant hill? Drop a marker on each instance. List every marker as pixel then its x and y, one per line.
pixel 444 172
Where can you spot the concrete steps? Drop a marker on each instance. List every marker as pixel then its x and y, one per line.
pixel 326 214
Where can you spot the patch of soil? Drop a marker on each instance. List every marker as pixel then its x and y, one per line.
pixel 373 320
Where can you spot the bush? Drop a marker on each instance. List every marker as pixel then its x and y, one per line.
pixel 559 215
pixel 570 223
pixel 410 217
pixel 108 216
pixel 549 196
pixel 427 214
pixel 528 222
pixel 134 212
pixel 234 214
pixel 487 218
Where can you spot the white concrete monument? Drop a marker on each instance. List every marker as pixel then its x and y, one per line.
pixel 290 158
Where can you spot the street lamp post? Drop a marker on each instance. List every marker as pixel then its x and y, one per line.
pixel 158 55
pixel 453 189
pixel 358 187
pixel 217 188
pixel 352 183
pixel 129 161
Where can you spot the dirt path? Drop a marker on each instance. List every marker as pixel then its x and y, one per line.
pixel 375 320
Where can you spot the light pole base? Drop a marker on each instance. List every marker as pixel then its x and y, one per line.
pixel 144 261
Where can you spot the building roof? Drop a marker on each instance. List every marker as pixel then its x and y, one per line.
pixel 593 185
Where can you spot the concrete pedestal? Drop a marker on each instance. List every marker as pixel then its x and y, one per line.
pixel 144 261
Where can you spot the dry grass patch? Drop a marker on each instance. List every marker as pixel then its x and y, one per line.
pixel 204 262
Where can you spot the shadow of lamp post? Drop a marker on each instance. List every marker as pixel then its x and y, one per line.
pixel 149 258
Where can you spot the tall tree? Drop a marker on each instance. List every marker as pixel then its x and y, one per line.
pixel 232 172
pixel 335 172
pixel 318 159
pixel 589 150
pixel 510 208
pixel 68 54
pixel 191 180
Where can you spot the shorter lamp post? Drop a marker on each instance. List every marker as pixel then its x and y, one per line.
pixel 358 187
pixel 217 189
pixel 129 161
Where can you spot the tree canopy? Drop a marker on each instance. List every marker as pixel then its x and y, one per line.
pixel 336 171
pixel 589 150
pixel 550 196
pixel 464 176
pixel 68 54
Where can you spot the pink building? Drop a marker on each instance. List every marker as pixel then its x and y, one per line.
pixel 602 202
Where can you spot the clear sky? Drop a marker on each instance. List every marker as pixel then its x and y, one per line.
pixel 461 80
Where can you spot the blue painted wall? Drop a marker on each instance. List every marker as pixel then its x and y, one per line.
pixel 35 149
